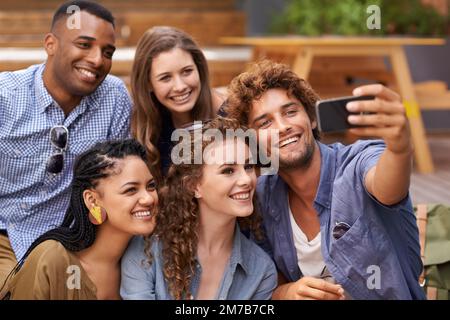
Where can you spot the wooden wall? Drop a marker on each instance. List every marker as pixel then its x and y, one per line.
pixel 24 22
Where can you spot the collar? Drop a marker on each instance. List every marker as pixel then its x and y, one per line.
pixel 44 99
pixel 327 172
pixel 237 256
pixel 277 192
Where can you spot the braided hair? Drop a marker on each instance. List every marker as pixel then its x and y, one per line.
pixel 76 231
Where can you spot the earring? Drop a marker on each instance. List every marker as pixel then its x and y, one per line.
pixel 97 215
pixel 196 195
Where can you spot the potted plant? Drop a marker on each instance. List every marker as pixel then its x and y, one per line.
pixel 348 17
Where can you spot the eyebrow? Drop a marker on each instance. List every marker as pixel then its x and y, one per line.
pixel 87 38
pixel 247 161
pixel 130 183
pixel 284 106
pixel 166 73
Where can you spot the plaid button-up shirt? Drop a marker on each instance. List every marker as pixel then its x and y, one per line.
pixel 33 201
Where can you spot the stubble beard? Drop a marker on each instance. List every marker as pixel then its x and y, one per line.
pixel 300 161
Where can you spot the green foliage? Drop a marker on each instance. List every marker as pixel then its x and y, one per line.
pixel 348 17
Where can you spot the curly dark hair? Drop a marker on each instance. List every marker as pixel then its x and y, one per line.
pixel 262 76
pixel 178 219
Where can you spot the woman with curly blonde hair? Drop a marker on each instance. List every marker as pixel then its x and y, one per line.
pixel 198 251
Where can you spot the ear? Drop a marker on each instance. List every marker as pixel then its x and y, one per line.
pixel 50 44
pixel 188 184
pixel 197 192
pixel 90 198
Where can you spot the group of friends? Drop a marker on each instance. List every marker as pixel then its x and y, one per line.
pixel 92 207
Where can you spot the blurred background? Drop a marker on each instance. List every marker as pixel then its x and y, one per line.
pixel 23 24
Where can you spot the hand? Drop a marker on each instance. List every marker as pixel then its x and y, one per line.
pixel 387 121
pixel 309 288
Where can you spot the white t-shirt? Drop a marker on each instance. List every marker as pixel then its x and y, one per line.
pixel 309 254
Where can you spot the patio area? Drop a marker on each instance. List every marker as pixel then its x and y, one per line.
pixel 434 187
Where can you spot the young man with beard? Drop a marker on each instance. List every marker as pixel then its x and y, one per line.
pixel 50 113
pixel 338 219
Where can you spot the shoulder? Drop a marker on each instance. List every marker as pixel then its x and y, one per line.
pixel 49 253
pixel 218 95
pixel 112 88
pixel 12 80
pixel 48 260
pixel 266 182
pixel 137 249
pixel 357 149
pixel 113 83
pixel 357 157
pixel 140 258
pixel 265 189
pixel 255 258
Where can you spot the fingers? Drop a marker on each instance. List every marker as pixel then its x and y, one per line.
pixel 376 106
pixel 323 285
pixel 308 288
pixel 386 133
pixel 309 293
pixel 377 90
pixel 379 120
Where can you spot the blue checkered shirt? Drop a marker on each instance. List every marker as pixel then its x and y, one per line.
pixel 33 201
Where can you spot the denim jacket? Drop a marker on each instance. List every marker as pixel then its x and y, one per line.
pixel 378 257
pixel 249 274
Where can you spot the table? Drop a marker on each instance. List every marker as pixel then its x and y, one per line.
pixel 307 48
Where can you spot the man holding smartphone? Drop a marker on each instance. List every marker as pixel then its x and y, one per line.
pixel 338 219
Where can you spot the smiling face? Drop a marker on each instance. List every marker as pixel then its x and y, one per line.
pixel 80 58
pixel 276 110
pixel 129 197
pixel 226 188
pixel 175 80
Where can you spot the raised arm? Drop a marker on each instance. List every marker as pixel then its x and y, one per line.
pixel 388 181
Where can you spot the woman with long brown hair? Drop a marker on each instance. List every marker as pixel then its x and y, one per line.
pixel 198 251
pixel 170 87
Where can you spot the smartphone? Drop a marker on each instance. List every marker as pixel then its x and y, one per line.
pixel 332 114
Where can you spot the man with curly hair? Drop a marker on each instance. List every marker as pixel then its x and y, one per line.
pixel 338 219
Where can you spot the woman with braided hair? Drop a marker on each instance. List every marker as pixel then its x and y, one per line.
pixel 197 250
pixel 113 197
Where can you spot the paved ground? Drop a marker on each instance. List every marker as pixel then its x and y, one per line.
pixel 434 188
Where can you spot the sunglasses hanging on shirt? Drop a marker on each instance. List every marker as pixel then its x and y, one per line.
pixel 59 136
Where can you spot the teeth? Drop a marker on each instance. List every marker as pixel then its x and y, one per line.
pixel 142 214
pixel 181 98
pixel 287 141
pixel 87 73
pixel 241 196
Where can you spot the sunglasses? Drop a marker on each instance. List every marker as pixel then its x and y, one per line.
pixel 59 136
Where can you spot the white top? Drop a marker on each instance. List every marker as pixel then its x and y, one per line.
pixel 309 254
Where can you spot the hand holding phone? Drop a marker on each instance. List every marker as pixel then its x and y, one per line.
pixel 332 114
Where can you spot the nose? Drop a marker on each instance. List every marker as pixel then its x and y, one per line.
pixel 95 57
pixel 179 84
pixel 148 198
pixel 282 125
pixel 245 177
